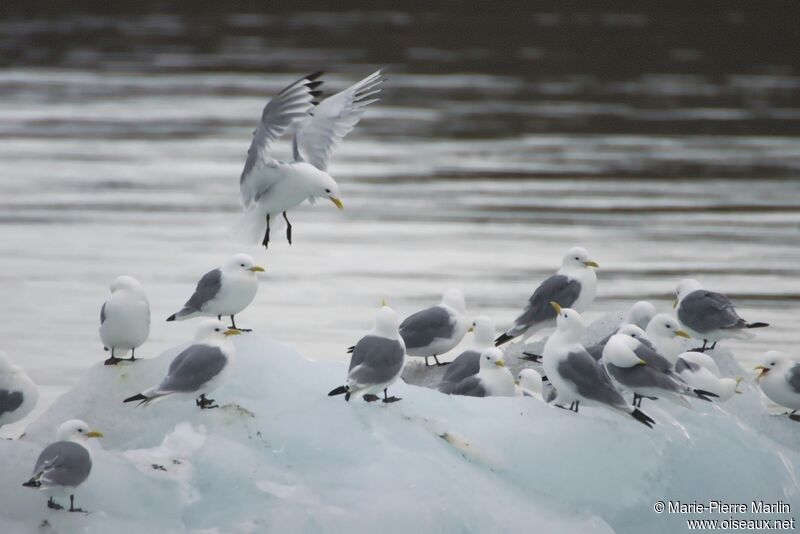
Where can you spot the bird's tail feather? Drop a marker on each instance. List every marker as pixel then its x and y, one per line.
pixel 338 391
pixel 502 338
pixel 251 226
pixel 144 398
pixel 757 325
pixel 643 418
pixel 704 395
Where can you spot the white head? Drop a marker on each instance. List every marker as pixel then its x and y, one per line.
pixel 126 283
pixel 771 362
pixel 619 351
pixel 684 287
pixel 387 322
pixel 631 330
pixel 213 330
pixel 321 185
pixel 76 430
pixel 639 314
pixel 492 358
pixel 728 387
pixel 578 257
pixel 483 328
pixel 568 322
pixel 454 298
pixel 530 379
pixel 242 264
pixel 665 326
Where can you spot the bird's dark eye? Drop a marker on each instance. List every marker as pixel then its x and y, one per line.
pixel 242 264
pixel 577 258
pixel 668 326
pixel 216 330
pixel 327 190
pixel 80 430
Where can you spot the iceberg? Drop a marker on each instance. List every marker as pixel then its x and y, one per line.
pixel 279 455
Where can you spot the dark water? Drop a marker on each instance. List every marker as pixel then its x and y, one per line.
pixel 664 140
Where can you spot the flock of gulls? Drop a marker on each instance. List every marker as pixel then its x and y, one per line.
pixel 642 359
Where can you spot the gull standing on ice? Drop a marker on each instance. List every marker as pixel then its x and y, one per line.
pixel 493 378
pixel 18 393
pixel 64 465
pixel 665 333
pixel 377 360
pixel 124 319
pixel 780 381
pixel 529 382
pixel 224 291
pixel 701 372
pixel 637 368
pixel 438 329
pixel 270 187
pixel 573 286
pixel 468 362
pixel 199 369
pixel 576 376
pixel 630 330
pixel 708 315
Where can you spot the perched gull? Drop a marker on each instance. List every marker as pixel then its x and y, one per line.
pixel 436 330
pixel 270 187
pixel 467 363
pixel 780 381
pixel 198 369
pixel 637 368
pixel 18 393
pixel 124 319
pixel 224 291
pixel 708 315
pixel 630 330
pixel 377 360
pixel 493 378
pixel 665 333
pixel 64 465
pixel 530 383
pixel 701 372
pixel 572 286
pixel 574 373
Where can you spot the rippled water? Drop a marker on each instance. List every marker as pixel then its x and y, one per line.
pixel 116 163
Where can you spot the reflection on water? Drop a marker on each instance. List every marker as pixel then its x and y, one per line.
pixel 121 154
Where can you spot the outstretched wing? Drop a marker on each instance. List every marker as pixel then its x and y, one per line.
pixel 290 105
pixel 334 118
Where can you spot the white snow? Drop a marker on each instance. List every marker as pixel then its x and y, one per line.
pixel 281 456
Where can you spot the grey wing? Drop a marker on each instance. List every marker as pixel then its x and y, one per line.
pixel 652 358
pixel 557 288
pixel 63 464
pixel 422 328
pixel 207 288
pixel 683 365
pixel 290 105
pixel 470 387
pixel 333 119
pixel 706 311
pixel 10 400
pixel 645 376
pixel 793 377
pixel 103 314
pixel 465 365
pixel 380 360
pixel 596 351
pixel 192 368
pixel 590 380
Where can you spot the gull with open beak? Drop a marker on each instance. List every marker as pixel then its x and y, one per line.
pixel 779 378
pixel 227 291
pixel 197 370
pixel 64 465
pixel 493 378
pixel 573 286
pixel 270 187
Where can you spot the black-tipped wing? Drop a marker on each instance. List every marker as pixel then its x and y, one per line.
pixel 10 400
pixel 590 380
pixel 63 463
pixel 706 311
pixel 207 288
pixel 376 360
pixel 557 288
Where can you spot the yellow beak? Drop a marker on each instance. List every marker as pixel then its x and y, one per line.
pixel 556 307
pixel 471 328
pixel 763 373
pixel 94 434
pixel 516 382
pixel 232 332
pixel 256 269
pixel 384 303
pixel 682 333
pixel 675 303
pixel 642 362
pixel 500 363
pixel 738 381
pixel 591 263
pixel 337 202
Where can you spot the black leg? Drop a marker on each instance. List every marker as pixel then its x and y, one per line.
pixel 288 228
pixel 53 505
pixel 113 360
pixel 265 242
pixel 577 404
pixel 233 325
pixel 713 346
pixel 637 400
pixel 436 359
pixel 72 504
pixel 133 356
pixel 388 399
pixel 219 317
pixel 426 361
pixel 794 417
pixel 204 403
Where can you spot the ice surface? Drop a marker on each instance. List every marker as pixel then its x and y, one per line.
pixel 282 456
